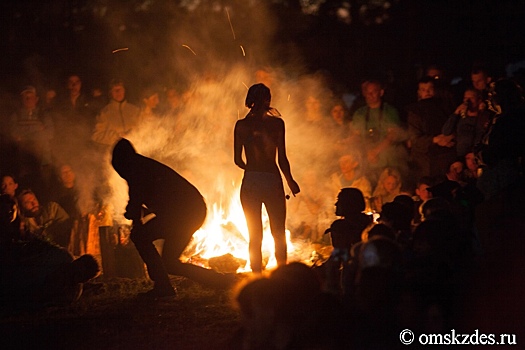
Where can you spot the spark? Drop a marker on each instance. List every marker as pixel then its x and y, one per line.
pixel 288 97
pixel 246 86
pixel 189 48
pixel 231 26
pixel 122 49
pixel 243 53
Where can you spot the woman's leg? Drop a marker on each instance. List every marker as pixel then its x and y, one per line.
pixel 276 207
pixel 252 207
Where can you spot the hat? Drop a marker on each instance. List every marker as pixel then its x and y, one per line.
pixel 28 89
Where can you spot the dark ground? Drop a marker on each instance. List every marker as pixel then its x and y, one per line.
pixel 109 316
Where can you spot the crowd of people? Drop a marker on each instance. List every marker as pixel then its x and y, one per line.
pixel 439 179
pixel 428 216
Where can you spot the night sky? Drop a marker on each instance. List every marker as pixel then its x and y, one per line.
pixel 44 40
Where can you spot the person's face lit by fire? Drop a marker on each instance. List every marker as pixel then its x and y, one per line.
pixel 390 184
pixel 471 162
pixel 425 90
pixel 423 192
pixel 454 171
pixel 173 98
pixel 347 164
pixel 9 186
pixel 29 204
pixel 29 100
pixel 67 176
pixel 480 80
pixel 152 101
pixel 373 94
pixel 313 109
pixel 118 92
pixel 472 99
pixel 338 114
pixel 74 84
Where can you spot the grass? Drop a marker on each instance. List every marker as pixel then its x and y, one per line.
pixel 109 316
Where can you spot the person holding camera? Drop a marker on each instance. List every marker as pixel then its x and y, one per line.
pixel 377 126
pixel 468 122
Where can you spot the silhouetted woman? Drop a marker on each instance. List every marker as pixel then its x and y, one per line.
pixel 261 135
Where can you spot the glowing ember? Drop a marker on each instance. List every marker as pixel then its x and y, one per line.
pixel 189 48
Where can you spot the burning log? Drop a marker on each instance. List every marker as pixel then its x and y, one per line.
pixel 226 263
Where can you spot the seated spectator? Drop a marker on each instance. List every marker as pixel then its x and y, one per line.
pixel 36 273
pixel 66 194
pixel 310 213
pixel 376 297
pixel 398 216
pixel 350 175
pixel 48 221
pixel 9 186
pixel 345 232
pixel 282 311
pixel 422 195
pixel 431 273
pixel 376 230
pixel 472 168
pixel 455 172
pixel 388 187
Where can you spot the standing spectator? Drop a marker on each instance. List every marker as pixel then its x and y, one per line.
pixel 173 102
pixel 481 79
pixel 340 126
pixel 467 123
pixel 32 130
pixel 377 126
pixel 502 151
pixel 149 102
pixel 117 118
pixel 75 119
pixel 431 151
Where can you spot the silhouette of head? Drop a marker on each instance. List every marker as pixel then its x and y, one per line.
pixel 350 200
pixel 258 97
pixel 122 158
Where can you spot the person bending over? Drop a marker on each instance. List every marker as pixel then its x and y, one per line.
pixel 162 204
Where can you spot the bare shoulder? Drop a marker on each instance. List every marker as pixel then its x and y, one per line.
pixel 274 120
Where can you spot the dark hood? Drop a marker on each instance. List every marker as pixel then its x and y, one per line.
pixel 123 158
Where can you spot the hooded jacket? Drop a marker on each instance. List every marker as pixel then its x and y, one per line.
pixel 152 184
